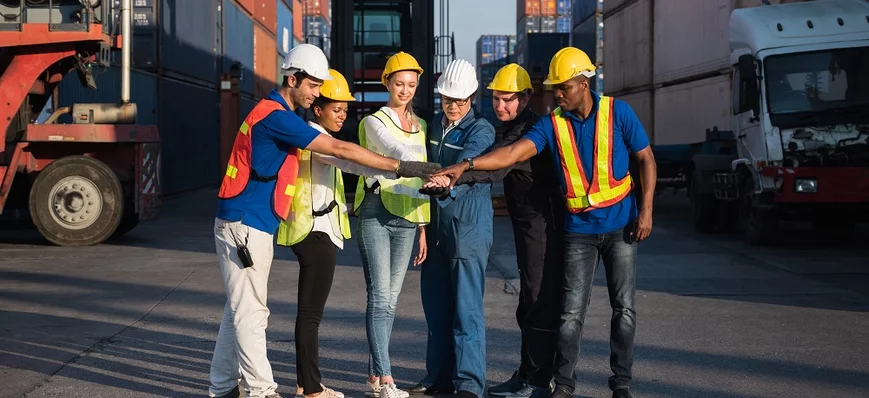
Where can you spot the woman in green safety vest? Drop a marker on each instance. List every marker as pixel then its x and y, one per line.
pixel 316 229
pixel 390 214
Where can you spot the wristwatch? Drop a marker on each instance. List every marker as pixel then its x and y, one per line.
pixel 470 163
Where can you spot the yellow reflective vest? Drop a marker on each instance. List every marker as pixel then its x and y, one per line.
pixel 603 190
pixel 400 196
pixel 301 220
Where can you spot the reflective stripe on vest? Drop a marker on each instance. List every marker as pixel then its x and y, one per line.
pixel 602 190
pixel 400 197
pixel 239 170
pixel 301 221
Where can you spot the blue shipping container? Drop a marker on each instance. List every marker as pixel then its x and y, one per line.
pixel 563 7
pixel 189 133
pixel 582 10
pixel 585 38
pixel 538 50
pixel 190 39
pixel 285 28
pixel 238 44
pixel 143 91
pixel 563 25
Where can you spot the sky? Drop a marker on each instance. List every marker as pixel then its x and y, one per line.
pixel 469 19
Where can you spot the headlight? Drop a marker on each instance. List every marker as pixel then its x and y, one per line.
pixel 805 185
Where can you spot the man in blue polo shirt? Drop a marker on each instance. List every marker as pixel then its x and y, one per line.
pixel 255 196
pixel 591 138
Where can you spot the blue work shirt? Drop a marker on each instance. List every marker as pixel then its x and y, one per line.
pixel 469 138
pixel 628 136
pixel 271 140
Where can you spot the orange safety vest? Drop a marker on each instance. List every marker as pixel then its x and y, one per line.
pixel 604 190
pixel 239 171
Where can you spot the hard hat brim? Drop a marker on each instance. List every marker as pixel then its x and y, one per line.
pixel 587 73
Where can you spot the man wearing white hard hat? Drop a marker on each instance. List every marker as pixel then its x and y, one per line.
pixel 254 197
pixel 454 275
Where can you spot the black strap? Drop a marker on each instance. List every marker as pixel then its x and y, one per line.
pixel 372 188
pixel 255 176
pixel 327 210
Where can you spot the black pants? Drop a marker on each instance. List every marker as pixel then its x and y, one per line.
pixel 539 253
pixel 317 257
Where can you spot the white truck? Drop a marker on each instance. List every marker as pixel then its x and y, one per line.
pixel 799 120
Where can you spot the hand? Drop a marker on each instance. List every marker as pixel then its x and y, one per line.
pixel 435 192
pixel 412 169
pixel 642 226
pixel 437 182
pixel 453 172
pixel 423 248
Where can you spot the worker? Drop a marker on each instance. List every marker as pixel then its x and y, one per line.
pixel 255 195
pixel 453 277
pixel 390 214
pixel 316 229
pixel 591 138
pixel 536 211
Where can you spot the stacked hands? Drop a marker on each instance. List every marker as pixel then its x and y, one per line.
pixel 439 179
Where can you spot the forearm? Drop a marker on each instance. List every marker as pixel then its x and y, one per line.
pixel 353 168
pixel 359 155
pixel 649 176
pixel 483 176
pixel 506 156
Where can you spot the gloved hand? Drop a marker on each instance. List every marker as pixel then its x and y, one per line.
pixel 422 170
pixel 436 192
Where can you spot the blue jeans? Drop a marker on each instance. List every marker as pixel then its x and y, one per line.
pixel 386 243
pixel 582 253
pixel 453 281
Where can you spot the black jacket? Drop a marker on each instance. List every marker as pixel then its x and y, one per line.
pixel 528 185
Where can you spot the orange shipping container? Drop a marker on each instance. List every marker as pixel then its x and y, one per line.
pixel 548 8
pixel 318 7
pixel 265 54
pixel 266 11
pixel 246 5
pixel 298 20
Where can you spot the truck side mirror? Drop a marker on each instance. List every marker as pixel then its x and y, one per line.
pixel 749 89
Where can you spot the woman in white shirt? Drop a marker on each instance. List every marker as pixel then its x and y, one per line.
pixel 316 228
pixel 390 214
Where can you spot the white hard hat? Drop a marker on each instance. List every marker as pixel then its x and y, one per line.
pixel 458 80
pixel 307 58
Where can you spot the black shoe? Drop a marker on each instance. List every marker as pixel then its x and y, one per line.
pixel 622 393
pixel 434 390
pixel 561 392
pixel 509 387
pixel 465 394
pixel 416 389
pixel 234 393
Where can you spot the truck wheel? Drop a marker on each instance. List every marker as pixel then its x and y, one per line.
pixel 76 201
pixel 760 224
pixel 129 221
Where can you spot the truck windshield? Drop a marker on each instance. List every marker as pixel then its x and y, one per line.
pixel 821 87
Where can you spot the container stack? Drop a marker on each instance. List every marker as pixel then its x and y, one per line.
pixel 670 60
pixel 587 28
pixel 179 55
pixel 493 52
pixel 318 24
pixel 542 29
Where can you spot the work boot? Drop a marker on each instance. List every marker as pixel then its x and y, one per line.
pixel 234 393
pixel 561 392
pixel 622 393
pixel 510 387
pixel 416 389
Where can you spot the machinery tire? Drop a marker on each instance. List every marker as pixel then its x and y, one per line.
pixel 128 222
pixel 76 201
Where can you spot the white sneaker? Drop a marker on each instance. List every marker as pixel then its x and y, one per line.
pixel 372 389
pixel 391 391
pixel 327 392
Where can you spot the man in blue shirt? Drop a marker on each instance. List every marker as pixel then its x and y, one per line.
pixel 598 134
pixel 255 196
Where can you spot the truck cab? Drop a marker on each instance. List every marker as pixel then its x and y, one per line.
pixel 800 117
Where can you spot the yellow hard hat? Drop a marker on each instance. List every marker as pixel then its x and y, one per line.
pixel 336 89
pixel 398 62
pixel 511 78
pixel 567 63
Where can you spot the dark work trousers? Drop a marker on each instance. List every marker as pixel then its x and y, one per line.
pixel 317 257
pixel 539 253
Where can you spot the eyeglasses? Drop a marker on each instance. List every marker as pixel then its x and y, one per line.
pixel 447 101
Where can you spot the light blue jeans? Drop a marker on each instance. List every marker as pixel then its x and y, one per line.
pixel 386 243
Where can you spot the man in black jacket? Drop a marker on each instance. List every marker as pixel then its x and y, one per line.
pixel 535 205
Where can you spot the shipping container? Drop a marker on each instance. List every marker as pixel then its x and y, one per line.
pixel 641 104
pixel 563 7
pixel 238 45
pixel 537 50
pixel 264 61
pixel 247 6
pixel 683 112
pixel 284 34
pixel 143 92
pixel 548 25
pixel 190 39
pixel 279 74
pixel 298 21
pixel 626 50
pixel 190 136
pixel 611 5
pixel 529 8
pixel 585 38
pixel 265 12
pixel 144 55
pixel 318 32
pixel 563 25
pixel 582 10
pixel 527 25
pixel 318 7
pixel 548 8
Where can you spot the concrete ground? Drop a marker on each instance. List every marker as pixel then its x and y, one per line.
pixel 137 317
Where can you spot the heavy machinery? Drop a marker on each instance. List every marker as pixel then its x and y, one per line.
pixel 83 182
pixel 800 122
